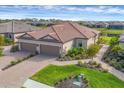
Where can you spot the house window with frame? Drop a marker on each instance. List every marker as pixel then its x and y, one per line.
pixel 80 44
pixel 10 36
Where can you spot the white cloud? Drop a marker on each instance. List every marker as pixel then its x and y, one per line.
pixel 115 10
pixel 97 9
pixel 48 7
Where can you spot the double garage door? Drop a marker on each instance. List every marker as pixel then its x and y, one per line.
pixel 44 49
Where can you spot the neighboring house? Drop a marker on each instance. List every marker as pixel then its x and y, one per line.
pixel 57 39
pixel 116 25
pixel 101 25
pixel 13 29
pixel 47 23
pixel 121 41
pixel 89 23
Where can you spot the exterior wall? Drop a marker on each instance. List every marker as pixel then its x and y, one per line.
pixel 90 41
pixel 75 43
pixel 68 45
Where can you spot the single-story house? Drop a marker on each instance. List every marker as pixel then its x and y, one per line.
pixel 57 39
pixel 13 29
pixel 101 25
pixel 121 41
pixel 116 25
pixel 44 23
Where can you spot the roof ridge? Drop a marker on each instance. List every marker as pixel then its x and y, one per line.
pixel 56 33
pixel 77 29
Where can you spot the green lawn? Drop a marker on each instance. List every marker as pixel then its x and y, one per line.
pixel 52 73
pixel 110 31
pixel 107 40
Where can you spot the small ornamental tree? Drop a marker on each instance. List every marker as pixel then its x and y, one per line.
pixel 92 50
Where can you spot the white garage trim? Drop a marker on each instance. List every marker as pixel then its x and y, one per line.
pixel 40 42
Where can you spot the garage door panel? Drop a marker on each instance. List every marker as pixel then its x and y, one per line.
pixel 49 50
pixel 28 47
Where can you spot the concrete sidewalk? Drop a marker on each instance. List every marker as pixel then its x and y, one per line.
pixel 34 84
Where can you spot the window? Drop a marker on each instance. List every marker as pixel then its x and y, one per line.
pixel 10 36
pixel 80 44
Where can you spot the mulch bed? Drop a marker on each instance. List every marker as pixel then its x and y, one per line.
pixel 68 83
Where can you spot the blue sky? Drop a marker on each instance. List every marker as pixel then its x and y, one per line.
pixel 64 12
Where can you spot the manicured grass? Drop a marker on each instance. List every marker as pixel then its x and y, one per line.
pixel 52 74
pixel 107 40
pixel 110 31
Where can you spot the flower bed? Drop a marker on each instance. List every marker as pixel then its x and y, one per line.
pixel 92 65
pixel 68 83
pixel 80 53
pixel 115 57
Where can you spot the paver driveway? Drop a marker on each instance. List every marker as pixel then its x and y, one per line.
pixel 16 75
pixel 5 60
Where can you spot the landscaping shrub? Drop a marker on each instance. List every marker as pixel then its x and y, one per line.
pixel 7 41
pixel 98 65
pixel 73 52
pixel 116 48
pixel 94 62
pixel 115 57
pixel 80 53
pixel 1 51
pixel 1 40
pixel 77 57
pixel 13 62
pixel 105 70
pixel 107 40
pixel 80 63
pixel 92 50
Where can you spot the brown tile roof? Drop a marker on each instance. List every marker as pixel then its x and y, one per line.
pixel 65 32
pixel 15 27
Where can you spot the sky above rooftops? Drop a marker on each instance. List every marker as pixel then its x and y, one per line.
pixel 67 12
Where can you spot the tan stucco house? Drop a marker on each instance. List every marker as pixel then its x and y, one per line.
pixel 57 39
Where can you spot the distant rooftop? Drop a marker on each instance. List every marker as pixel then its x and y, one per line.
pixel 15 27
